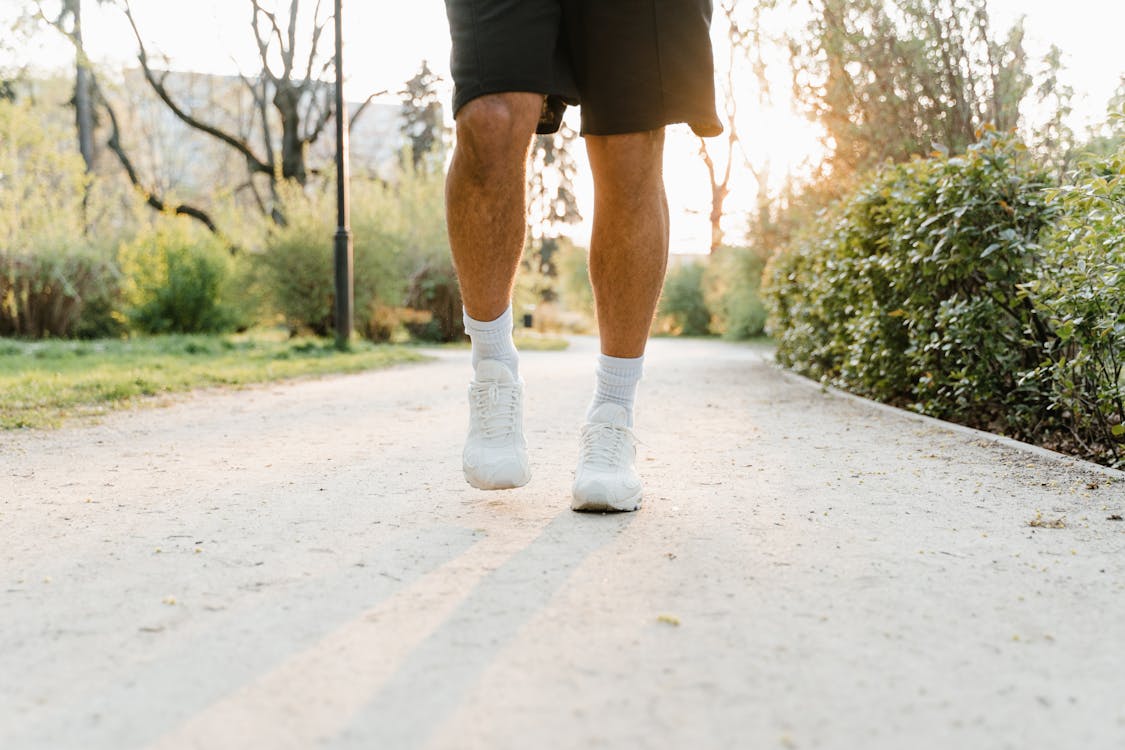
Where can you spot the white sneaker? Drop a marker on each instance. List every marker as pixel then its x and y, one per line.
pixel 495 456
pixel 607 477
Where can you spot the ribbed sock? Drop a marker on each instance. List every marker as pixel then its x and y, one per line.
pixel 617 383
pixel 493 340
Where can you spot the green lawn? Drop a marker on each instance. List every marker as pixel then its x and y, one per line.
pixel 44 383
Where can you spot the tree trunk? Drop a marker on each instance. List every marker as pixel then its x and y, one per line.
pixel 293 167
pixel 83 101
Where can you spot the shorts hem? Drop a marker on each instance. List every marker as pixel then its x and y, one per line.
pixel 464 96
pixel 704 127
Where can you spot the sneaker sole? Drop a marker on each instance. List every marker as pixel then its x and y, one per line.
pixel 628 505
pixel 489 486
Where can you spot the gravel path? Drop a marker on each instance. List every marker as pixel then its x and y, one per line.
pixel 301 565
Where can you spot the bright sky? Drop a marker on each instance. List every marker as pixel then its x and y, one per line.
pixel 387 41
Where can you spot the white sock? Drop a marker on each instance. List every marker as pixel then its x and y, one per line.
pixel 617 383
pixel 493 340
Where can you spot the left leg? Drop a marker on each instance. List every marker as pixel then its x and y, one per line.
pixel 628 259
pixel 629 246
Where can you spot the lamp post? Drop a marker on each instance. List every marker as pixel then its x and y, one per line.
pixel 345 295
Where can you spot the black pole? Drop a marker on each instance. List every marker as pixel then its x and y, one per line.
pixel 345 295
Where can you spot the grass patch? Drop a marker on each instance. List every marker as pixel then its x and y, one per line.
pixel 44 383
pixel 535 343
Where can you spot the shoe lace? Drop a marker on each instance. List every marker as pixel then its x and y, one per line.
pixel 602 444
pixel 498 407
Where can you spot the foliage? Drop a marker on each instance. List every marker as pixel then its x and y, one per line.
pixel 910 291
pixel 63 293
pixel 552 204
pixel 683 303
pixel 398 230
pixel 574 289
pixel 57 228
pixel 929 288
pixel 422 123
pixel 1079 289
pixel 434 290
pixel 179 279
pixel 732 293
pixel 45 383
pixel 888 79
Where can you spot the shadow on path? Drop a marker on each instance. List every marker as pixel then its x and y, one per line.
pixel 436 678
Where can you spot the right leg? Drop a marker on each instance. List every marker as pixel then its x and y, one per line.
pixel 486 198
pixel 486 206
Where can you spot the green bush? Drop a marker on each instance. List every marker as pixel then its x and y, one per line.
pixel 179 279
pixel 57 272
pixel 732 293
pixel 910 290
pixel 397 231
pixel 66 293
pixel 682 302
pixel 575 291
pixel 1079 290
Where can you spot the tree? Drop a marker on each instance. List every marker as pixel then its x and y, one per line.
pixel 292 96
pixel 1056 141
pixel 739 40
pixel 422 122
pixel 890 79
pixel 83 86
pixel 294 91
pixel 68 21
pixel 1108 137
pixel 551 201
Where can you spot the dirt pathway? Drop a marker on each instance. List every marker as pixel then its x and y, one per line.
pixel 302 566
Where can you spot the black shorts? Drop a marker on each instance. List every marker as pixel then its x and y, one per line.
pixel 633 65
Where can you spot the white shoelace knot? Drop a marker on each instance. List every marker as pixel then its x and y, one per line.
pixel 603 444
pixel 497 406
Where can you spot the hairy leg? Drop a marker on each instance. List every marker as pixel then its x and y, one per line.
pixel 629 247
pixel 486 197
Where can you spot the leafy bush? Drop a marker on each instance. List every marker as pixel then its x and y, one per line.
pixel 575 292
pixel 181 280
pixel 63 293
pixel 55 278
pixel 1079 290
pixel 397 231
pixel 682 302
pixel 732 293
pixel 435 294
pixel 910 292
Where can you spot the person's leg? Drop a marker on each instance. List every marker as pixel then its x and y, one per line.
pixel 628 256
pixel 486 200
pixel 486 208
pixel 628 260
pixel 629 246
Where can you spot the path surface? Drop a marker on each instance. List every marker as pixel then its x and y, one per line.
pixel 302 566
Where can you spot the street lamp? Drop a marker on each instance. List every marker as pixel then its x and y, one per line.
pixel 345 295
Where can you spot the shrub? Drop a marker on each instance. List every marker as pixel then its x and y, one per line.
pixel 1079 290
pixel 682 302
pixel 732 292
pixel 54 279
pixel 62 293
pixel 179 279
pixel 575 292
pixel 397 232
pixel 910 290
pixel 435 294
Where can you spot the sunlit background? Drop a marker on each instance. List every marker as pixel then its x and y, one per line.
pixel 387 42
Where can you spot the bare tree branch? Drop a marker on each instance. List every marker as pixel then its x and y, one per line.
pixel 153 200
pixel 157 85
pixel 363 107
